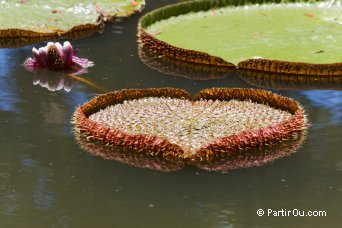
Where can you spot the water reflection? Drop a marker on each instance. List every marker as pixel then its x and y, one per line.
pixel 61 80
pixel 132 158
pixel 8 90
pixel 256 156
pixel 182 69
pixel 28 187
pixel 290 82
pixel 227 162
pixel 328 100
pixel 53 81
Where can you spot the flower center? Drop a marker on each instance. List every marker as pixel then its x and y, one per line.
pixel 54 59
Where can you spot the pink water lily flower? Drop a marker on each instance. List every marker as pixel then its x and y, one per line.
pixel 57 57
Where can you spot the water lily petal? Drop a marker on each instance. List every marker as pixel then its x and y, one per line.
pixel 60 49
pixel 68 53
pixel 79 70
pixel 30 64
pixel 82 62
pixel 48 45
pixel 57 57
pixel 35 52
pixel 43 56
pixel 41 62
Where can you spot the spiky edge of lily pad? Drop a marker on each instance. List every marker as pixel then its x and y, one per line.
pixel 241 159
pixel 274 66
pixel 74 33
pixel 291 68
pixel 129 157
pixel 259 137
pixel 170 66
pixel 255 156
pixel 151 145
pixel 154 145
pixel 20 37
pixel 288 81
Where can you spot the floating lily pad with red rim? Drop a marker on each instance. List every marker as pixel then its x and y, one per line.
pixel 72 18
pixel 251 36
pixel 170 123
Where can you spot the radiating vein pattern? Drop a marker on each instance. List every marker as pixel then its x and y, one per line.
pixel 188 124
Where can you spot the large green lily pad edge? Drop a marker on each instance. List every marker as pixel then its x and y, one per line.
pixel 26 22
pixel 151 41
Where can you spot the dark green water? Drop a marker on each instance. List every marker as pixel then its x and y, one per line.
pixel 47 180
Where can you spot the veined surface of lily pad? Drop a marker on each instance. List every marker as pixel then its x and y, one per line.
pixel 171 123
pixel 49 18
pixel 309 35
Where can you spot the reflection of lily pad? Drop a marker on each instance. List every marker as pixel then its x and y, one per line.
pixel 255 156
pixel 170 123
pixel 291 82
pixel 240 159
pixel 305 38
pixel 127 156
pixel 170 66
pixel 54 18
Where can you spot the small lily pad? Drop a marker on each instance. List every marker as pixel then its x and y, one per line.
pixel 298 38
pixel 59 18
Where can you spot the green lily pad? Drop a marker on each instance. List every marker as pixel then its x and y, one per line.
pixel 306 33
pixel 39 18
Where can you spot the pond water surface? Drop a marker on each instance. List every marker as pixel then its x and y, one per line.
pixel 47 180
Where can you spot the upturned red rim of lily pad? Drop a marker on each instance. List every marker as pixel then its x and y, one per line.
pixel 155 145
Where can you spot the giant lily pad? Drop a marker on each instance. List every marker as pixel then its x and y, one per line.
pixel 170 123
pixel 59 18
pixel 295 38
